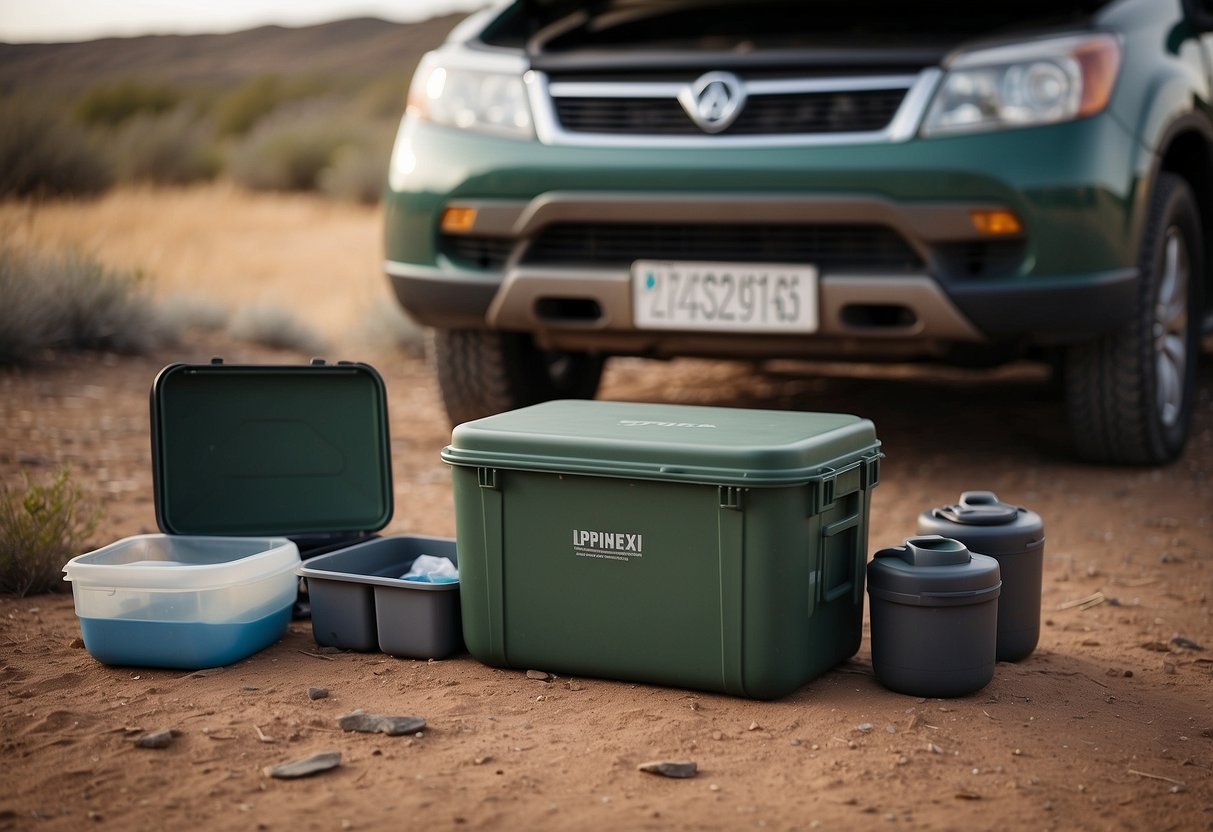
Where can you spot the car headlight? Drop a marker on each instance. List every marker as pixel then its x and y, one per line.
pixel 471 98
pixel 1023 85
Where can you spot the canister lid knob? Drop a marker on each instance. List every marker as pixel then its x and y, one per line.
pixel 929 550
pixel 979 508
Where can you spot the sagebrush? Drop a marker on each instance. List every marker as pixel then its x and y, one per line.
pixel 70 301
pixel 42 526
pixel 44 153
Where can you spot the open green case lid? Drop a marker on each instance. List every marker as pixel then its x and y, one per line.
pixel 297 450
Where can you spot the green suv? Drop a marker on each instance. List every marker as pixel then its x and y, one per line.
pixel 803 178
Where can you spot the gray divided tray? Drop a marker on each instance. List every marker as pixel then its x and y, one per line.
pixel 359 601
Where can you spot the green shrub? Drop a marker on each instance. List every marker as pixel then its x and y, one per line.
pixel 71 302
pixel 387 327
pixel 43 153
pixel 383 98
pixel 276 328
pixel 358 170
pixel 41 528
pixel 289 151
pixel 113 103
pixel 173 148
pixel 242 108
pixel 180 312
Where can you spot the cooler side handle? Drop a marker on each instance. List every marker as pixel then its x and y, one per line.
pixel 731 560
pixel 492 516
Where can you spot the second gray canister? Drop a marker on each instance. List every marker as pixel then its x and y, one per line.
pixel 1013 536
pixel 934 611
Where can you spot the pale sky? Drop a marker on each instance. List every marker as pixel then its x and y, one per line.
pixel 67 20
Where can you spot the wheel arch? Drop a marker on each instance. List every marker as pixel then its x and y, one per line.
pixel 1187 152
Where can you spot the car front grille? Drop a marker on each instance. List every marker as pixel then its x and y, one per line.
pixel 854 111
pixel 830 247
pixel 837 249
pixel 477 252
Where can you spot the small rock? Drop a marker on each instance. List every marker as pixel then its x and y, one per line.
pixel 1113 601
pixel 1168 668
pixel 76 644
pixel 903 760
pixel 1157 646
pixel 913 723
pixel 158 739
pixel 1111 671
pixel 1128 674
pixel 1186 643
pixel 393 726
pixel 968 796
pixel 316 763
pixel 317 693
pixel 95 815
pixel 795 742
pixel 1207 732
pixel 670 768
pixel 864 727
pixel 694 705
pixel 754 726
pixel 539 676
pixel 717 735
pixel 250 687
pixel 889 729
pixel 933 748
pixel 479 761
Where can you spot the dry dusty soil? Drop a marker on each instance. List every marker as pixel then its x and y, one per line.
pixel 1109 725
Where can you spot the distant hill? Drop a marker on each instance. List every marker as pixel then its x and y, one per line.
pixel 357 48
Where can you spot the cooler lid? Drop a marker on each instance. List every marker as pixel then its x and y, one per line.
pixel 727 446
pixel 270 450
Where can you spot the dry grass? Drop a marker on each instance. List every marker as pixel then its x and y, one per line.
pixel 319 260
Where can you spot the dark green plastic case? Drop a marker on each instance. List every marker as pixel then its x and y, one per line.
pixel 294 450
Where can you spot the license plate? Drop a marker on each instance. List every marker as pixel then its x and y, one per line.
pixel 724 297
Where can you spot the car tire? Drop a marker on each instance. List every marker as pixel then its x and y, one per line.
pixel 1130 393
pixel 483 372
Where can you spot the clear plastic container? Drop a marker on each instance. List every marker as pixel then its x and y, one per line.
pixel 181 601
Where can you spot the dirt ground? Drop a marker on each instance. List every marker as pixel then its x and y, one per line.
pixel 1109 725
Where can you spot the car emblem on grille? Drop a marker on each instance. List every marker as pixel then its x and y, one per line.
pixel 713 101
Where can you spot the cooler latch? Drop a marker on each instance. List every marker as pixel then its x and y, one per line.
pixel 730 497
pixel 487 477
pixel 859 475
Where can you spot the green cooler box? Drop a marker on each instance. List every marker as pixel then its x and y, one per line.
pixel 700 547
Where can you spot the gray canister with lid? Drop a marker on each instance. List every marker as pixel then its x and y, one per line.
pixel 1015 537
pixel 934 611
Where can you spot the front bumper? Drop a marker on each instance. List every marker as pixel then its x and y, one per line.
pixel 1067 277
